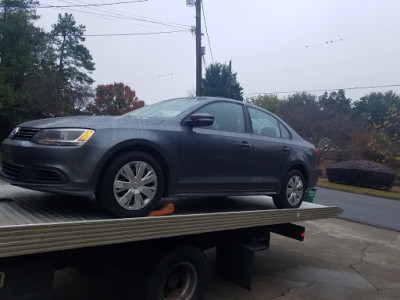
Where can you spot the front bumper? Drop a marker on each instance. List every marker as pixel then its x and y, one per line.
pixel 70 170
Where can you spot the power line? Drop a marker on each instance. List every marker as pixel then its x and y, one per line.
pixel 139 18
pixel 122 16
pixel 208 36
pixel 326 43
pixel 313 67
pixel 371 33
pixel 134 33
pixel 326 90
pixel 101 16
pixel 109 17
pixel 164 75
pixel 329 65
pixel 90 5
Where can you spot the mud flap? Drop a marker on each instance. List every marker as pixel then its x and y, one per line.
pixel 235 263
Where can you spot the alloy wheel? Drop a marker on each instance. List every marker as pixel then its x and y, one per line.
pixel 294 190
pixel 135 185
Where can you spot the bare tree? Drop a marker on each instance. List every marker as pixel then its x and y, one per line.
pixel 328 132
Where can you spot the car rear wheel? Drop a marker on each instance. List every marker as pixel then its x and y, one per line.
pixel 292 191
pixel 131 186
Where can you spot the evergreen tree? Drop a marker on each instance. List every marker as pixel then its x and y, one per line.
pixel 217 80
pixel 335 102
pixel 19 43
pixel 73 62
pixel 373 107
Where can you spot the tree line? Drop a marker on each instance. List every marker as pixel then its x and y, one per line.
pixel 340 128
pixel 48 74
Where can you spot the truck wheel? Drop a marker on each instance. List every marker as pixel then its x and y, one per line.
pixel 292 191
pixel 181 274
pixel 131 186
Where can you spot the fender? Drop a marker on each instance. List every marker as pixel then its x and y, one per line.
pixel 293 165
pixel 131 145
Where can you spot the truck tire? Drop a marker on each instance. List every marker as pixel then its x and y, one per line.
pixel 181 274
pixel 131 186
pixel 292 191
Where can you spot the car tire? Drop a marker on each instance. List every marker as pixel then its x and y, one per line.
pixel 131 186
pixel 292 191
pixel 180 274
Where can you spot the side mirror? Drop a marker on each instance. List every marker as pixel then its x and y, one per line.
pixel 200 119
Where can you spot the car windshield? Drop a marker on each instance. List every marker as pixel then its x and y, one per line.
pixel 164 109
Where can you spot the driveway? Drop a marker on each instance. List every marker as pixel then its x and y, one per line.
pixel 337 260
pixel 369 210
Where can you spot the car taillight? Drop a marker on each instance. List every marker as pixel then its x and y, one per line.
pixel 316 152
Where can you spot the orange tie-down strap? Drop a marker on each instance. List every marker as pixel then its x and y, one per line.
pixel 165 210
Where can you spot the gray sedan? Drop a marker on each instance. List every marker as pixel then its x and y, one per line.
pixel 178 147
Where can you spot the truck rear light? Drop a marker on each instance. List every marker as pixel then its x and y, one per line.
pixel 289 230
pixel 316 152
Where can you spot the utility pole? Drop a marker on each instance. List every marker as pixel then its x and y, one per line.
pixel 199 54
pixel 230 80
pixel 198 50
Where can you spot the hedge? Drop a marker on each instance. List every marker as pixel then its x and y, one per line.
pixel 361 173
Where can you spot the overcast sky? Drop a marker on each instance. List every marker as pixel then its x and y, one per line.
pixel 275 46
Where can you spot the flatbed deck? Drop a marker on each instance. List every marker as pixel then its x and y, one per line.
pixel 34 222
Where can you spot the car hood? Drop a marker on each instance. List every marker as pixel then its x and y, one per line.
pixel 92 122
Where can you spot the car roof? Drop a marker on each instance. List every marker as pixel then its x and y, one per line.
pixel 209 98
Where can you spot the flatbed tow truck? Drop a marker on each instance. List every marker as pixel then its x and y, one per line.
pixel 163 255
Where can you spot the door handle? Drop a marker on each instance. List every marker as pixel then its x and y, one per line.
pixel 285 149
pixel 245 144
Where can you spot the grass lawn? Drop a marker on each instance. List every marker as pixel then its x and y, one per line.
pixel 394 193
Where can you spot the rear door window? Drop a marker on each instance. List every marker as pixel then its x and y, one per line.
pixel 264 124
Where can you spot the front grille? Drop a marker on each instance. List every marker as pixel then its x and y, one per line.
pixel 11 170
pixel 25 133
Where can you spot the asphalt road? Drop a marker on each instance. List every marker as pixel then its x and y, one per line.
pixel 380 212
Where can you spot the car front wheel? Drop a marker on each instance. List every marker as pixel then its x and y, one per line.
pixel 292 191
pixel 131 186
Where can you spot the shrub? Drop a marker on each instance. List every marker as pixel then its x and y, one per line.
pixel 362 173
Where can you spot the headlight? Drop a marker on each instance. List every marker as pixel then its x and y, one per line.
pixel 62 136
pixel 13 133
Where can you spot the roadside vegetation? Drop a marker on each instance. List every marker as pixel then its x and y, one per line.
pixel 361 173
pixel 394 193
pixel 343 129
